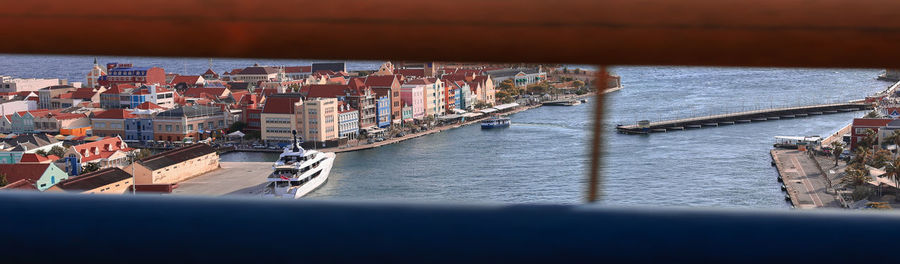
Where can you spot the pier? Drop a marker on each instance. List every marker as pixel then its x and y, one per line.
pixel 743 117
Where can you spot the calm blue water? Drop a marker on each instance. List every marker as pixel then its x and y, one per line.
pixel 542 158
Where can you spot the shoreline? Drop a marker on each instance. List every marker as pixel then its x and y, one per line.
pixel 420 134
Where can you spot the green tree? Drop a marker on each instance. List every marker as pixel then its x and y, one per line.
pixel 237 126
pixel 506 85
pixel 856 176
pixel 873 114
pixel 868 141
pixel 578 84
pixel 566 70
pixel 836 149
pixel 577 71
pixel 482 105
pixel 57 151
pixel 3 181
pixel 880 158
pixel 893 170
pixel 143 153
pixel 90 167
pixel 894 137
pixel 41 152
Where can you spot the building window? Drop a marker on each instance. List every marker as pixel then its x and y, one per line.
pixel 169 128
pixel 190 127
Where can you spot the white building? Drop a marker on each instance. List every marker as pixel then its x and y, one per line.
pixel 13 85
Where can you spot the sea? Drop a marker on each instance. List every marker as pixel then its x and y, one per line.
pixel 543 157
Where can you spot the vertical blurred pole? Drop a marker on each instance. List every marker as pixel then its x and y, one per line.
pixel 597 140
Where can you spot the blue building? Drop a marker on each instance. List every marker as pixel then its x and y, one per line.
pixel 138 129
pixel 383 111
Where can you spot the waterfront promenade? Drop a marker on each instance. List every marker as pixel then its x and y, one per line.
pixel 806 184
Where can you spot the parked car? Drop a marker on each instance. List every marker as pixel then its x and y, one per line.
pixel 228 145
pixel 259 146
pixel 401 134
pixel 379 139
pixel 370 141
pixel 273 147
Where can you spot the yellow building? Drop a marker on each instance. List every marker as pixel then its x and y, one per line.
pixel 279 117
pixel 319 119
pixel 175 165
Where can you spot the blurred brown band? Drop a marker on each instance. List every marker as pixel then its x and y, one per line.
pixel 827 33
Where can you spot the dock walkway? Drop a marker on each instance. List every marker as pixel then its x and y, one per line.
pixel 743 117
pixel 805 184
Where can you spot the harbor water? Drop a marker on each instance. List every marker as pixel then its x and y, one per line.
pixel 542 157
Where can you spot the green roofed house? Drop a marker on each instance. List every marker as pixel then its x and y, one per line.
pixel 42 175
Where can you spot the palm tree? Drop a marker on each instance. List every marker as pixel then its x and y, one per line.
pixel 836 148
pixel 868 141
pixel 894 137
pixel 856 175
pixel 893 171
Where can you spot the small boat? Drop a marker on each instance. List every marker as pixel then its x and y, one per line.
pixel 495 122
pixel 584 100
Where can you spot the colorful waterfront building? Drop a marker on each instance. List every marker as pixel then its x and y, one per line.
pixel 414 97
pixel 355 92
pixel 93 76
pixel 407 113
pixel 279 118
pixel 520 76
pixel 387 85
pixel 55 121
pixel 383 111
pixel 348 121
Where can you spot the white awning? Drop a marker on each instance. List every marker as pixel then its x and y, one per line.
pixel 236 134
pixel 489 110
pixel 472 114
pixel 506 106
pixel 449 117
pixel 458 111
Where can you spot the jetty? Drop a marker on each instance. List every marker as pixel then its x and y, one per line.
pixel 645 127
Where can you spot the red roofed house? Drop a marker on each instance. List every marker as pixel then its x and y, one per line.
pixel 199 92
pixel 40 176
pixel 387 85
pixel 187 81
pixel 107 152
pixel 297 72
pixel 37 158
pixel 110 123
pixel 280 117
pixel 356 93
pixel 860 125
pixel 55 121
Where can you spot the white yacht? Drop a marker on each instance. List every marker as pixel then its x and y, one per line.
pixel 298 172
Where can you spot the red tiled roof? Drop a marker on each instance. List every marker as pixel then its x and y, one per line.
pixel 280 105
pixel 198 92
pixel 23 93
pixel 871 122
pixel 66 95
pixel 105 147
pixel 380 80
pixel 20 171
pixel 324 72
pixel 32 158
pixel 115 114
pixel 325 90
pixel 83 93
pixel 210 72
pixel 21 185
pixel 295 69
pixel 149 106
pixel 188 79
pixel 418 81
pixel 410 72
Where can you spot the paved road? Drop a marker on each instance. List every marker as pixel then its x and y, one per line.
pixel 234 178
pixel 806 184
